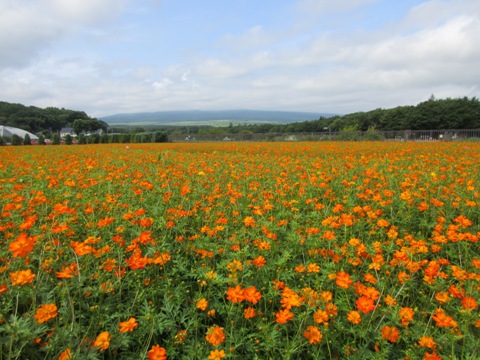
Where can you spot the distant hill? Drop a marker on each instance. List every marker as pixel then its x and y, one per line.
pixel 201 117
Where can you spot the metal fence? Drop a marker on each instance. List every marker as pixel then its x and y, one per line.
pixel 398 135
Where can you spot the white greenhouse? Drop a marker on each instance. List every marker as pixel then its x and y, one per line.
pixel 8 132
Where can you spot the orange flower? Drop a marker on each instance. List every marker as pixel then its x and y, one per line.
pixel 313 268
pixel 211 275
pixel 140 212
pixel 137 261
pixel 45 313
pixel 463 221
pixel 249 313
pixel 252 295
pixel 329 235
pixel 432 356
pixel 118 239
pixel 161 258
pixel 108 265
pixel 320 316
pixel 313 334
pixel 390 333
pixel 432 269
pixel 249 221
pixel 283 316
pixel 262 244
pixel 65 355
pixel 22 277
pixel 235 265
pixel 215 335
pixel 290 299
pixel 382 223
pixel 476 263
pixel 202 304
pixel 81 248
pixel 300 268
pixel 22 245
pixel 422 206
pixel 235 294
pixel 390 300
pixel 28 223
pixel 370 292
pixel 365 304
pixel 326 296
pixel 331 309
pixel 128 325
pixel 216 354
pixel 145 238
pixel 157 353
pixel 105 221
pixel 406 315
pixel 343 280
pixel 443 320
pixel 428 342
pixel 259 261
pixel 312 231
pixel 370 278
pixel 442 297
pixel 102 342
pixel 469 303
pixel 278 285
pixel 354 317
pixel 456 293
pixel 146 222
pixel 403 277
pixel 67 272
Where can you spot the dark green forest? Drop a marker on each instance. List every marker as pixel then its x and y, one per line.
pixel 433 114
pixel 461 113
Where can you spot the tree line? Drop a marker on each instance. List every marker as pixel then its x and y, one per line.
pixel 48 122
pixel 433 114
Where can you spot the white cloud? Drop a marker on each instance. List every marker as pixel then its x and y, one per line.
pixel 185 75
pixel 85 12
pixel 28 27
pixel 434 12
pixel 325 7
pixel 253 37
pixel 162 84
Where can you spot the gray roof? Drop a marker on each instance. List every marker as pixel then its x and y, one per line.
pixel 66 130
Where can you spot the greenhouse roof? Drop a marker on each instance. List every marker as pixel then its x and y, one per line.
pixel 8 131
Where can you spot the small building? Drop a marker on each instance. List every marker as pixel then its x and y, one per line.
pixel 65 131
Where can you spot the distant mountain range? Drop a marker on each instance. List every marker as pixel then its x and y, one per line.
pixel 205 117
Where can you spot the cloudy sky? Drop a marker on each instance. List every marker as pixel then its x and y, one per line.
pixel 115 56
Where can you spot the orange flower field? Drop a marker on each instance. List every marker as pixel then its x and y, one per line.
pixel 325 250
